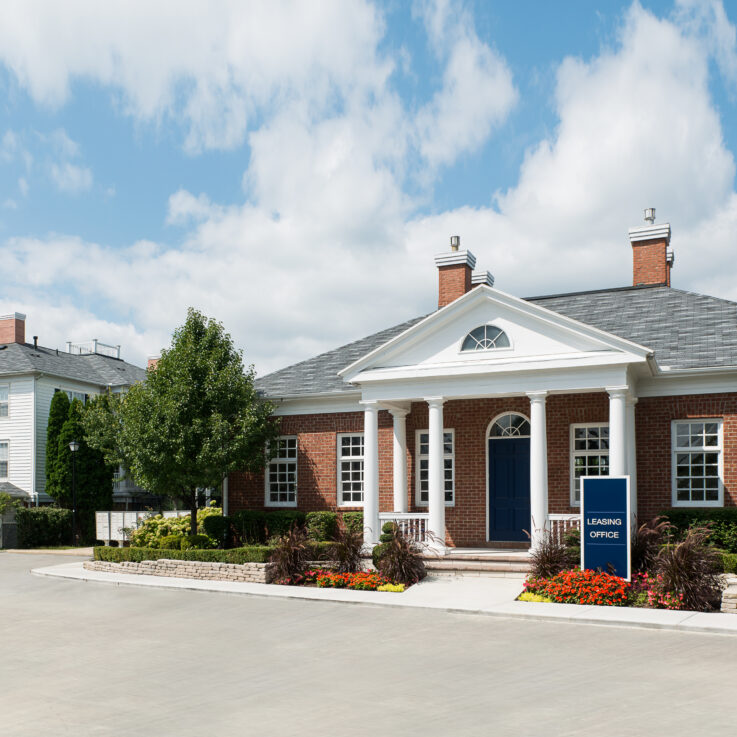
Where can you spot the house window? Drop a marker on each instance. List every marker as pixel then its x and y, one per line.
pixel 589 455
pixel 3 459
pixel 350 470
pixel 4 400
pixel 74 395
pixel 697 463
pixel 281 476
pixel 422 445
pixel 484 338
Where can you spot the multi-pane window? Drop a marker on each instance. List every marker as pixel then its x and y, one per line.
pixel 4 400
pixel 484 338
pixel 423 467
pixel 74 395
pixel 589 455
pixel 697 451
pixel 3 460
pixel 350 470
pixel 281 476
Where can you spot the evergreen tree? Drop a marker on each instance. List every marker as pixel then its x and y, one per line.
pixel 58 415
pixel 93 478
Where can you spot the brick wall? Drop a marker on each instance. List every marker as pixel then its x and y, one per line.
pixel 650 264
pixel 453 282
pixel 466 521
pixel 12 330
pixel 653 427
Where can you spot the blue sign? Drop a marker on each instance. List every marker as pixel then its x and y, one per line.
pixel 605 524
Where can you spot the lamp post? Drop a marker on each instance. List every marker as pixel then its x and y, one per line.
pixel 74 447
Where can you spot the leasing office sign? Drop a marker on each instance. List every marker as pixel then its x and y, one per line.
pixel 605 524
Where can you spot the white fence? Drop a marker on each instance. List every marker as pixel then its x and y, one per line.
pixel 559 524
pixel 413 525
pixel 112 525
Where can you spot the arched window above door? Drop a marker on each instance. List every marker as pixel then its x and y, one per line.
pixel 510 425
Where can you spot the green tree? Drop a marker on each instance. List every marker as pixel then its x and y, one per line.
pixel 58 414
pixel 93 477
pixel 196 417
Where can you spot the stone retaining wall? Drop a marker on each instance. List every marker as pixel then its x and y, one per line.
pixel 249 572
pixel 729 595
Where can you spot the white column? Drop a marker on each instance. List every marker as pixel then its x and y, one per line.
pixel 617 432
pixel 370 473
pixel 632 456
pixel 400 459
pixel 436 493
pixel 538 467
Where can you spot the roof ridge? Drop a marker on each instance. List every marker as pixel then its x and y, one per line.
pixel 595 291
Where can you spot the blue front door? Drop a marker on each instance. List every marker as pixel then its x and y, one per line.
pixel 509 489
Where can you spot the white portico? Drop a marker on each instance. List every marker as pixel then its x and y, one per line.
pixel 489 345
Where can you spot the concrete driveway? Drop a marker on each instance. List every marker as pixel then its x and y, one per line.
pixel 83 659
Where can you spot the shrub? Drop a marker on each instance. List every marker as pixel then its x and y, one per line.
pixel 322 525
pixel 722 524
pixel 280 523
pixel 581 587
pixel 353 521
pixel 401 559
pixel 387 532
pixel 572 542
pixel 171 542
pixel 197 542
pixel 292 553
pixel 377 553
pixel 250 526
pixel 729 562
pixel 218 529
pixel 549 557
pixel 646 541
pixel 251 554
pixel 690 569
pixel 346 551
pixel 151 530
pixel 43 527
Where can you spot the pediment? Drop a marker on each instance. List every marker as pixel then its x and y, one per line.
pixel 537 338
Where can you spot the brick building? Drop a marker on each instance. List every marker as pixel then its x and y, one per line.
pixel 474 424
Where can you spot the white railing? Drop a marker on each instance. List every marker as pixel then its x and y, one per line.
pixel 413 525
pixel 93 346
pixel 559 524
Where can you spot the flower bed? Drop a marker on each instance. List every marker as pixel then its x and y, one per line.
pixel 601 589
pixel 325 579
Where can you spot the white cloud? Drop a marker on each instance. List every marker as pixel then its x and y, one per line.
pixel 326 247
pixel 23 186
pixel 10 204
pixel 70 178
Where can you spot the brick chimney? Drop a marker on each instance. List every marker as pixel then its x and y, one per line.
pixel 455 271
pixel 13 328
pixel 652 257
pixel 152 362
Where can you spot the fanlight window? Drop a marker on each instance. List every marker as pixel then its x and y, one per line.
pixel 510 426
pixel 484 338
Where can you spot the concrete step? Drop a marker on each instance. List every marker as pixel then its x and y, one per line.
pixel 496 565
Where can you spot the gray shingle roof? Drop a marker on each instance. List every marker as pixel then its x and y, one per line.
pixel 23 358
pixel 684 329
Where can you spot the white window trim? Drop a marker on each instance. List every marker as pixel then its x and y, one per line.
pixel 720 452
pixel 267 500
pixel 485 352
pixel 7 476
pixel 338 459
pixel 573 453
pixel 417 466
pixel 6 386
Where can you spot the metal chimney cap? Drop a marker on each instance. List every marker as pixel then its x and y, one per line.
pixel 650 215
pixel 455 242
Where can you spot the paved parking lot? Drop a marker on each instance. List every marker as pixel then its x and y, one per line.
pixel 84 659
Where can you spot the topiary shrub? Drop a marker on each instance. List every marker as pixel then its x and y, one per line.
pixel 387 532
pixel 197 542
pixel 250 526
pixel 279 523
pixel 171 542
pixel 43 527
pixel 353 521
pixel 218 529
pixel 321 525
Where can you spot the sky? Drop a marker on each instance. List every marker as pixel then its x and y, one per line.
pixel 291 168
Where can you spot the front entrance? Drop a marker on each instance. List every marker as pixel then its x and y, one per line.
pixel 509 479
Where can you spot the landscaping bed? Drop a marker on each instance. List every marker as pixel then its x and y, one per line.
pixel 323 578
